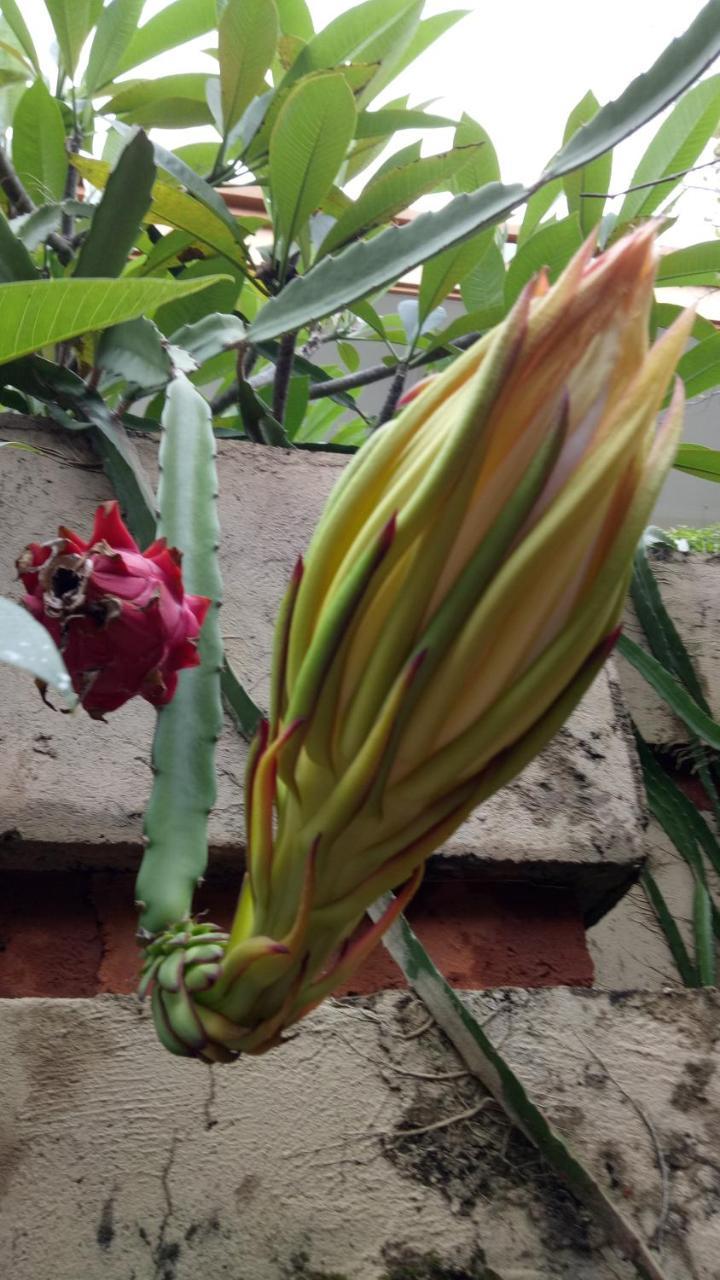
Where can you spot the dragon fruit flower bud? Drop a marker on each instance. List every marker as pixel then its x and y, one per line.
pixel 119 615
pixel 463 587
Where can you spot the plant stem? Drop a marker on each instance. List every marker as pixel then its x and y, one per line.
pixel 283 374
pixel 391 400
pixel 349 382
pixel 68 223
pixel 20 201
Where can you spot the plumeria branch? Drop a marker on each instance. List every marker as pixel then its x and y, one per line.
pixel 21 202
pixel 644 186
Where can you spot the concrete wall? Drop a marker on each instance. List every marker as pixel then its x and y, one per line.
pixel 360 1150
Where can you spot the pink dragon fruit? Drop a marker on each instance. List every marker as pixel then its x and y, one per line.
pixel 119 615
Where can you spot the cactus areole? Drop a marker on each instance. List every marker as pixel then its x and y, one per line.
pixel 119 615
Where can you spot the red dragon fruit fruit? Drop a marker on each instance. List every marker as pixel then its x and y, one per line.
pixel 119 615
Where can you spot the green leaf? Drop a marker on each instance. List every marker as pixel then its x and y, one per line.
pixel 537 206
pixel 484 286
pixel 700 461
pixel 552 246
pixel 245 714
pixel 176 209
pixel 197 186
pixel 349 37
pixel 12 77
pixel 166 102
pixel 174 25
pixel 365 150
pixel 699 367
pixel 117 219
pixel 443 272
pixel 15 261
pixel 349 355
pixel 38 144
pixel 307 147
pixel 676 146
pixel 660 631
pixel 135 351
pixel 116 27
pixel 388 47
pixel 393 191
pixel 684 965
pixel 482 165
pixel 25 643
pixel 13 16
pixel 674 812
pixel 207 337
pixel 35 314
pixel 427 31
pixel 389 120
pixel 593 177
pixel 294 18
pixel 32 228
pixel 73 20
pixel 362 268
pixel 248 33
pixel 666 313
pixel 220 296
pixel 198 156
pixel 336 282
pixel 485 1061
pixel 297 403
pixel 695 264
pixel 258 422
pixel 676 697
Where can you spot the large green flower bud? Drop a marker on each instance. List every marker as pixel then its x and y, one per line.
pixel 462 589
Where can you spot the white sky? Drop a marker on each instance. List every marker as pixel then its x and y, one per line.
pixel 518 67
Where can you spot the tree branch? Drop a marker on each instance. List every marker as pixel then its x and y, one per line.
pixel 644 186
pixel 396 389
pixel 333 386
pixel 21 202
pixel 283 374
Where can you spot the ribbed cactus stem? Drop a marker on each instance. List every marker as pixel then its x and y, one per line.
pixel 184 788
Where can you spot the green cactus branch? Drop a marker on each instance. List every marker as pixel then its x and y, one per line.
pixel 482 1058
pixel 188 728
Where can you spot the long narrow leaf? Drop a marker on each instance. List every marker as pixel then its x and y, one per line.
pixel 671 691
pixel 661 633
pixel 684 965
pixel 177 209
pixel 700 461
pixel 13 16
pixel 486 1062
pixel 15 261
pixel 118 217
pixel 175 24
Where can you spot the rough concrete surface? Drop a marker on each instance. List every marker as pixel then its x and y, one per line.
pixel 628 947
pixel 121 1162
pixel 690 588
pixel 75 790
